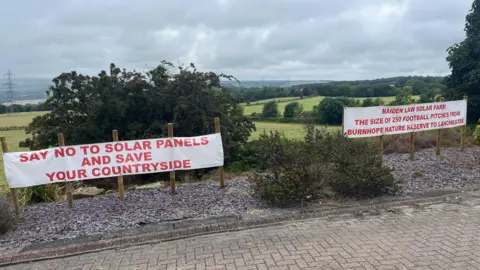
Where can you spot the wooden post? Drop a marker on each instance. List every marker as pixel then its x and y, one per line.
pixel 381 137
pixel 439 134
pixel 343 121
pixel 172 173
pixel 412 139
pixel 220 169
pixel 464 132
pixel 121 188
pixel 68 185
pixel 16 202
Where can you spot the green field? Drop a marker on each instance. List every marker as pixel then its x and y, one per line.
pixel 289 130
pixel 308 103
pixel 18 119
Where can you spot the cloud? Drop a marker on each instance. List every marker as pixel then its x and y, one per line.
pixel 274 39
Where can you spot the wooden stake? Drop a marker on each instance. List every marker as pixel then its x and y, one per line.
pixel 464 132
pixel 172 173
pixel 68 185
pixel 343 122
pixel 439 134
pixel 121 188
pixel 412 145
pixel 381 137
pixel 220 169
pixel 412 140
pixel 14 192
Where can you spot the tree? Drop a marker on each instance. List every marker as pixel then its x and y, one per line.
pixel 139 105
pixel 270 109
pixel 330 110
pixel 430 95
pixel 403 97
pixel 293 110
pixel 464 62
pixel 368 102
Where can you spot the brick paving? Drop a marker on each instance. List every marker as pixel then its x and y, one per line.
pixel 441 236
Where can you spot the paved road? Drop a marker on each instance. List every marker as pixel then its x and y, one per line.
pixel 442 236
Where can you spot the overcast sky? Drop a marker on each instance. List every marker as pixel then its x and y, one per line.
pixel 250 39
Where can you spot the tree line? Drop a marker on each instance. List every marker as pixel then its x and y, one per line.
pixel 330 109
pixel 16 108
pixel 363 89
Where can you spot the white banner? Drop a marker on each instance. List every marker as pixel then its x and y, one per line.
pixel 82 162
pixel 388 120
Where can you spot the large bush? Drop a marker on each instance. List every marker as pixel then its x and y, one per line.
pixel 298 171
pixel 293 171
pixel 6 215
pixel 330 109
pixel 293 110
pixel 270 109
pixel 358 170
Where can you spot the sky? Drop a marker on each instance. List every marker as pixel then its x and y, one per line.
pixel 249 39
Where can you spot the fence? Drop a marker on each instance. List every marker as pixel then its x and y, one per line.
pixel 389 120
pixel 65 164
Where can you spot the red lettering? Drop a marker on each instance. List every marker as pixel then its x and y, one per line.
pixel 82 173
pixel 186 163
pixel 50 176
pixel 204 140
pixel 84 148
pixel 187 142
pixel 23 157
pixel 146 167
pixel 96 172
pixel 109 148
pixel 61 176
pixel 160 143
pixel 134 157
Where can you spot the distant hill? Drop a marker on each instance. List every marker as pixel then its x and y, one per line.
pixel 25 89
pixel 268 83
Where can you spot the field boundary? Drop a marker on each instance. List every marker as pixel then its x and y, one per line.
pixel 170 231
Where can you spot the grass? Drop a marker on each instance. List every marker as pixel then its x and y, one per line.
pixel 18 119
pixel 289 130
pixel 307 102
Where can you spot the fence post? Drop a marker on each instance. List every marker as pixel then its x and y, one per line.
pixel 16 202
pixel 464 131
pixel 439 134
pixel 121 189
pixel 220 169
pixel 412 139
pixel 343 121
pixel 381 138
pixel 172 173
pixel 68 185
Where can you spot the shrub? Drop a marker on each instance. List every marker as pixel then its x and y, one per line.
pixel 270 109
pixel 6 215
pixel 358 170
pixel 295 171
pixel 39 194
pixel 476 134
pixel 293 110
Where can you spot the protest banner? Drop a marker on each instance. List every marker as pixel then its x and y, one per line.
pixel 112 159
pixel 389 120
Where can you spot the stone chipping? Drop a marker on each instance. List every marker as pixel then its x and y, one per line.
pixel 106 213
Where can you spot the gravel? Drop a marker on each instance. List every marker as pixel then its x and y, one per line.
pixel 47 222
pixel 452 169
pixel 106 213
